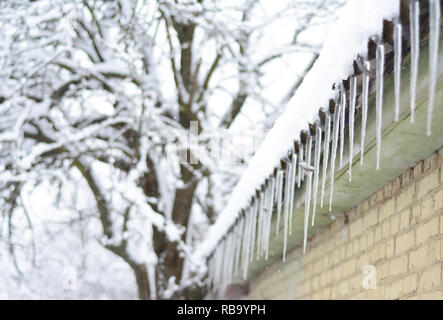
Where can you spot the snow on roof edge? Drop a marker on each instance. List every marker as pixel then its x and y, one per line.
pixel 360 19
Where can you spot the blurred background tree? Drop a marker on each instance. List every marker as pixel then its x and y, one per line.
pixel 92 190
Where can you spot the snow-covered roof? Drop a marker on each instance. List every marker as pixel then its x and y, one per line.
pixel 360 20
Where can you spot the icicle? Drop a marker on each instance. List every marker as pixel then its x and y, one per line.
pixel 397 67
pixel 364 114
pixel 247 245
pixel 270 207
pixel 414 15
pixel 316 169
pixel 286 208
pixel 334 150
pixel 260 229
pixel 325 156
pixel 242 235
pixel 292 190
pixel 352 102
pixel 264 220
pixel 434 34
pixel 380 57
pixel 254 228
pixel 342 124
pixel 308 193
pixel 300 167
pixel 279 197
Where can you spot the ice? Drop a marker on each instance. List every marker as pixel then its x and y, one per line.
pixel 334 150
pixel 397 67
pixel 414 14
pixel 279 198
pixel 342 123
pixel 292 190
pixel 247 245
pixel 286 208
pixel 260 226
pixel 316 169
pixel 364 113
pixel 380 60
pixel 325 156
pixel 434 34
pixel 348 39
pixel 352 98
pixel 308 193
pixel 270 207
pixel 254 228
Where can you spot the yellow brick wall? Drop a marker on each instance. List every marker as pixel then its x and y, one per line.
pixel 398 230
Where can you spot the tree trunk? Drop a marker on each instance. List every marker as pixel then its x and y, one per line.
pixel 141 277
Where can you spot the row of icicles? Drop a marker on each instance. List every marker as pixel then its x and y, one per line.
pixel 248 238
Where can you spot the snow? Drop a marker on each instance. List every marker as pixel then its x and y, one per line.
pixel 347 39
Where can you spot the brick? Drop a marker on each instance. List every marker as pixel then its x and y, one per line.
pixel 427 208
pixel 386 229
pixel 417 170
pixel 378 252
pixel 433 251
pixel 398 265
pixel 430 278
pixel 370 219
pixel 394 224
pixel 416 214
pixel 417 258
pixel 390 247
pixel 382 271
pixel 410 284
pixel 428 230
pixel 355 228
pixel 427 184
pixel 393 290
pixel 406 178
pixel 404 242
pixel 343 288
pixel 356 247
pixel 369 238
pixel 434 295
pixel 438 201
pixel 405 197
pixel 349 267
pixel 405 219
pixel 378 232
pixel 386 209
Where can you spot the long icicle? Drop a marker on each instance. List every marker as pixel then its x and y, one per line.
pixel 254 228
pixel 308 193
pixel 434 38
pixel 325 156
pixel 414 15
pixel 292 190
pixel 342 124
pixel 270 207
pixel 316 169
pixel 279 198
pixel 246 245
pixel 290 196
pixel 397 67
pixel 334 151
pixel 286 208
pixel 380 57
pixel 364 113
pixel 352 102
